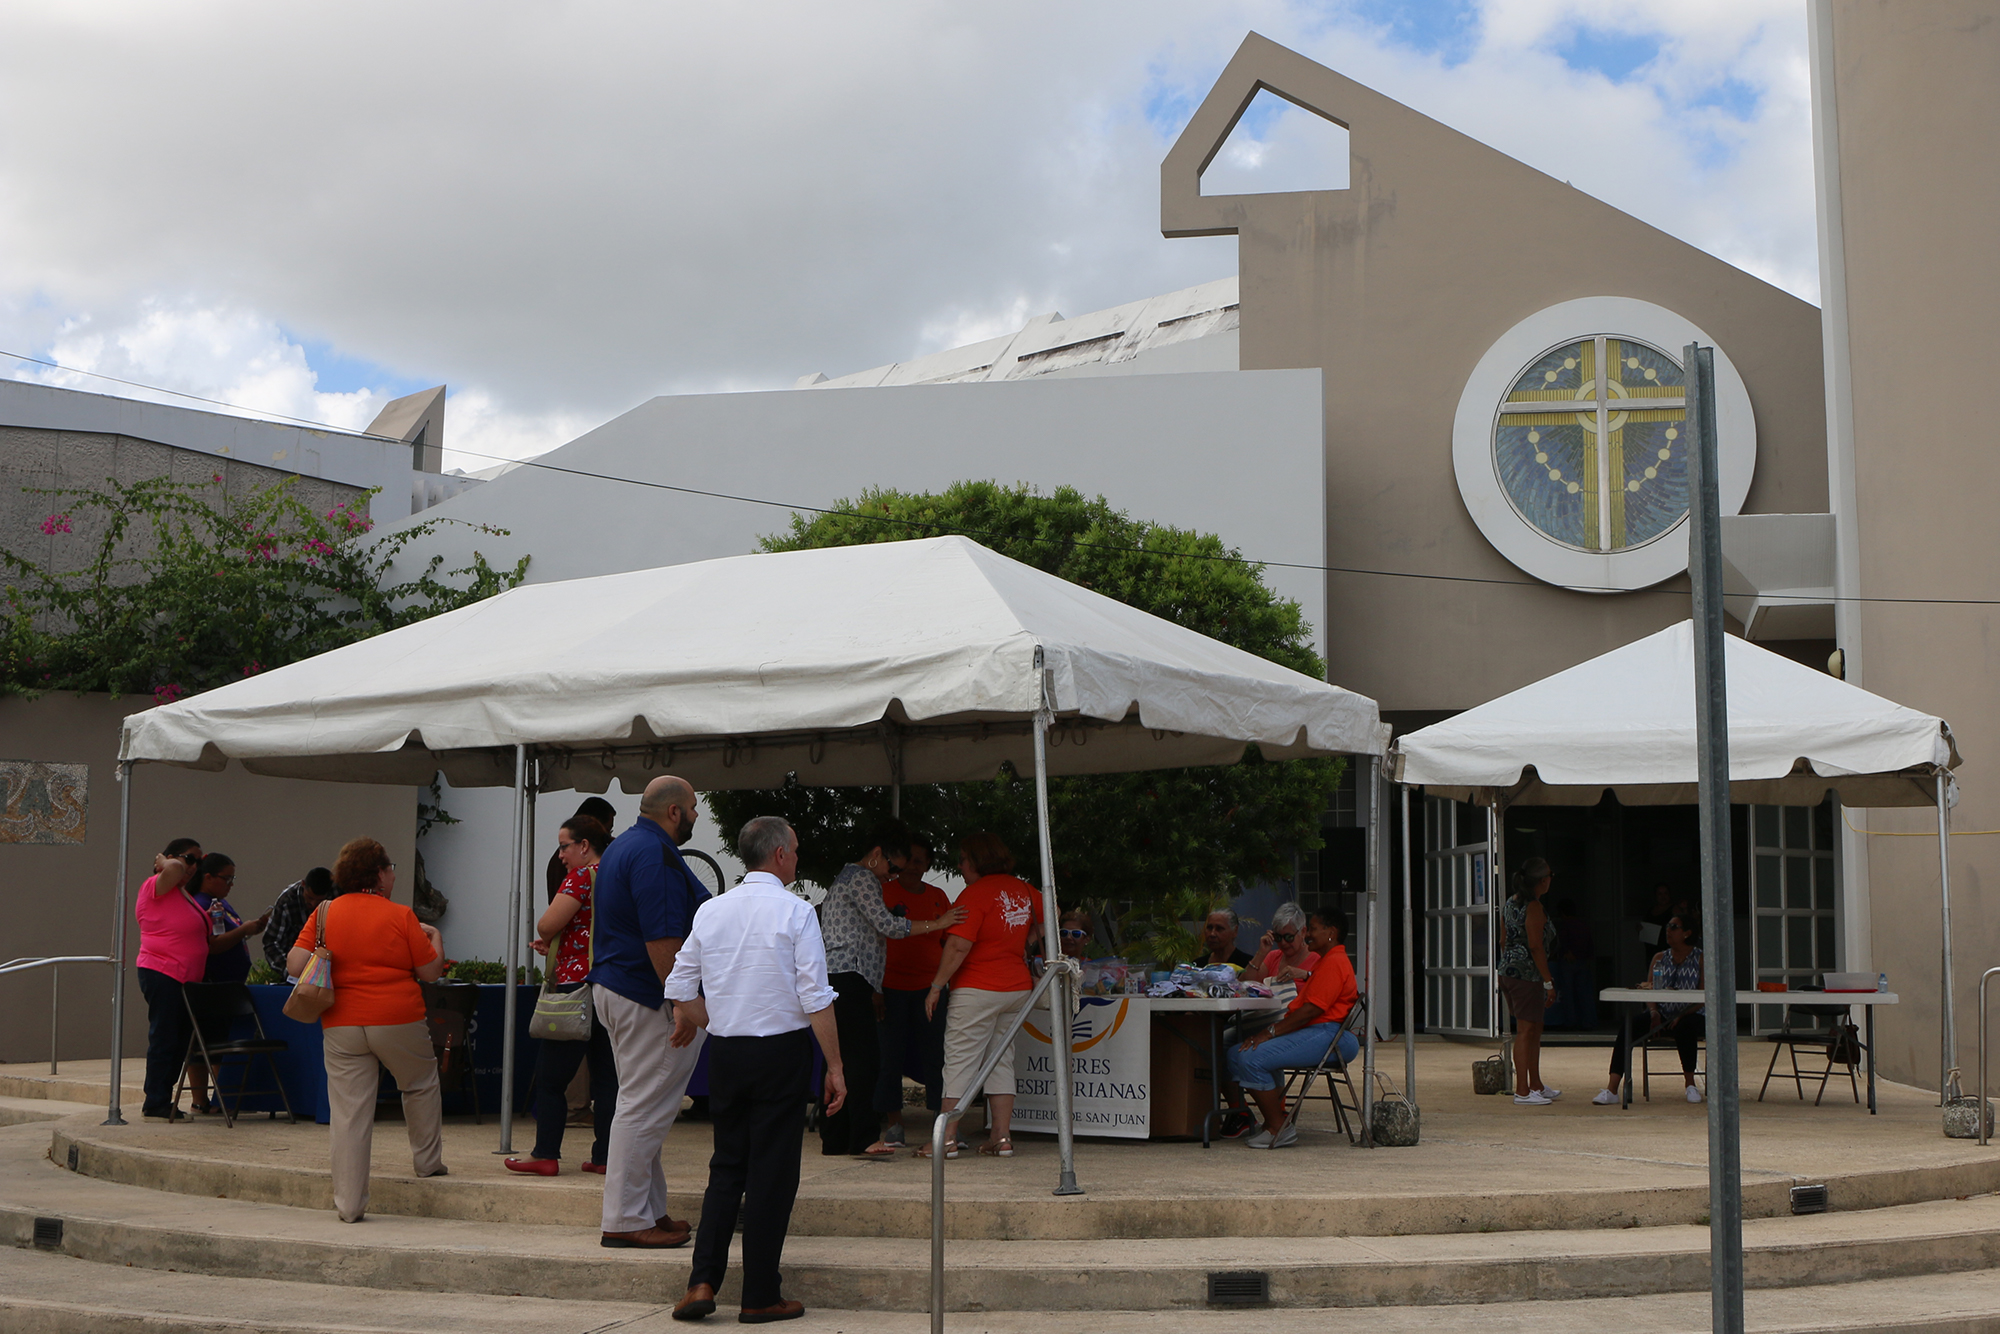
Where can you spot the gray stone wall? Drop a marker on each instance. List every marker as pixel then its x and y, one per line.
pixel 34 458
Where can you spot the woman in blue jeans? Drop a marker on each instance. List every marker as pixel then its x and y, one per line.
pixel 1302 1035
pixel 563 933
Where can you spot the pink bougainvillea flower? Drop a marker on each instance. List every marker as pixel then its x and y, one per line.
pixel 167 694
pixel 55 523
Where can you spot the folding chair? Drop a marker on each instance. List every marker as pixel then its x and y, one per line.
pixel 449 1008
pixel 1658 1040
pixel 1340 1090
pixel 1822 1042
pixel 213 1008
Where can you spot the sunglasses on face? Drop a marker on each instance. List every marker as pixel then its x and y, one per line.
pixel 1071 934
pixel 1285 937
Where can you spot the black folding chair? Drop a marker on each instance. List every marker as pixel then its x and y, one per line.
pixel 213 1009
pixel 449 1008
pixel 1659 1039
pixel 1339 1087
pixel 1826 1043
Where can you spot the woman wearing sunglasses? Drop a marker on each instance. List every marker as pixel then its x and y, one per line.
pixel 1075 934
pixel 1284 955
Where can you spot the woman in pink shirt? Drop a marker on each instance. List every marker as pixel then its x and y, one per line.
pixel 173 951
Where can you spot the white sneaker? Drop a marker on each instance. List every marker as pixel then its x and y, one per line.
pixel 1261 1140
pixel 1550 1094
pixel 1604 1098
pixel 1694 1094
pixel 1286 1138
pixel 1532 1098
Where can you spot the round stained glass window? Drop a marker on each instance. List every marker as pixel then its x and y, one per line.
pixel 1588 444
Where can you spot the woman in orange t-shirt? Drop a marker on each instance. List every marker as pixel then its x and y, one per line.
pixel 985 963
pixel 380 954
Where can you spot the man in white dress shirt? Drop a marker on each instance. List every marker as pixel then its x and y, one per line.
pixel 752 972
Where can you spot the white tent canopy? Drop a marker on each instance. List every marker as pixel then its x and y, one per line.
pixel 1625 722
pixel 903 660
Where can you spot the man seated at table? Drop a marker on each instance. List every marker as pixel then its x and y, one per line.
pixel 1218 941
pixel 1303 1034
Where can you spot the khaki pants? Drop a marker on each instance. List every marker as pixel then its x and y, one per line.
pixel 354 1057
pixel 971 1032
pixel 652 1079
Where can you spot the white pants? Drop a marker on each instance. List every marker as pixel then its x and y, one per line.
pixel 652 1079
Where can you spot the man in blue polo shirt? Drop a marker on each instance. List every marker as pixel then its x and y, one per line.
pixel 642 907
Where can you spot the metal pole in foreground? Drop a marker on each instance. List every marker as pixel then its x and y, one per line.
pixel 518 869
pixel 1718 897
pixel 111 1115
pixel 1409 964
pixel 1948 1011
pixel 1377 830
pixel 1059 997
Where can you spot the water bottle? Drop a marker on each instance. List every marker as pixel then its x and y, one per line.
pixel 1881 981
pixel 218 918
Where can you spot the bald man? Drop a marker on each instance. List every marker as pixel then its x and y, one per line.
pixel 643 906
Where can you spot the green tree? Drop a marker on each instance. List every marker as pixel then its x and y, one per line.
pixel 1124 843
pixel 174 593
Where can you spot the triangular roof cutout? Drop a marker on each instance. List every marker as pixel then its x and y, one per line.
pixel 1278 147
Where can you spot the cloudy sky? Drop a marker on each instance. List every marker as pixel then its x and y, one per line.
pixel 562 209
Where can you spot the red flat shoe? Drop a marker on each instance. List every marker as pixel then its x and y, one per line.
pixel 546 1167
pixel 598 1168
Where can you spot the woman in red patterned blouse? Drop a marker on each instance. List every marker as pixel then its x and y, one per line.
pixel 566 926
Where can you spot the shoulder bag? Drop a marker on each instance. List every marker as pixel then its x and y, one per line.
pixel 312 994
pixel 564 1016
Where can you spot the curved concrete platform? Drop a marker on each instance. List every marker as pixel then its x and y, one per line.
pixel 1484 1165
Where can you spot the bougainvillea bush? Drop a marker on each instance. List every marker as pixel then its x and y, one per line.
pixel 170 592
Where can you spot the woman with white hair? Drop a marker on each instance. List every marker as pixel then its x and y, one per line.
pixel 1283 954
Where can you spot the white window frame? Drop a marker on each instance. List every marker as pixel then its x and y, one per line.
pixel 1479 409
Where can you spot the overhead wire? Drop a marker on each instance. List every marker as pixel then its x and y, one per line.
pixel 892 521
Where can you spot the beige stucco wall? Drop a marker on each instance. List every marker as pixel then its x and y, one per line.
pixel 1917 92
pixel 59 898
pixel 1395 287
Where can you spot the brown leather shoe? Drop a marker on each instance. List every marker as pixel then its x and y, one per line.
pixel 646 1238
pixel 700 1301
pixel 674 1224
pixel 764 1315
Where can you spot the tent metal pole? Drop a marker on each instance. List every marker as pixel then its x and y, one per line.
pixel 113 1115
pixel 1718 894
pixel 1409 963
pixel 1060 1002
pixel 514 897
pixel 1496 890
pixel 1948 1035
pixel 1377 828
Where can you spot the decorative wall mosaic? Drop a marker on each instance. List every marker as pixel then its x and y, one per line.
pixel 42 802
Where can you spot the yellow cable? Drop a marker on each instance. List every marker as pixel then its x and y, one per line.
pixel 1920 833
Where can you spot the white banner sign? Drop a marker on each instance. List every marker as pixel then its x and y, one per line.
pixel 1112 1055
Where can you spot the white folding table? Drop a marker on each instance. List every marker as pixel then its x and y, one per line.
pixel 1631 997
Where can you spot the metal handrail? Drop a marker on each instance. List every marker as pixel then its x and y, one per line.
pixel 55 989
pixel 1060 966
pixel 1979 1112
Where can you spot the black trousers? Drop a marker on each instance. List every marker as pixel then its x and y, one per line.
pixel 1686 1031
pixel 166 1038
pixel 852 1128
pixel 555 1067
pixel 757 1105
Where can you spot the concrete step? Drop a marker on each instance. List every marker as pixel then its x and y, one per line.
pixel 51 1294
pixel 1325 1187
pixel 109 1222
pixel 85 1082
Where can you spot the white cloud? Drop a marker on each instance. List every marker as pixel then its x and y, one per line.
pixel 563 210
pixel 239 360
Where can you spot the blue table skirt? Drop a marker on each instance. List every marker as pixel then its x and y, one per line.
pixel 302 1065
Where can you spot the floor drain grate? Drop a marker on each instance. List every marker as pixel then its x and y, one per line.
pixel 72 1157
pixel 48 1232
pixel 1808 1199
pixel 1243 1287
